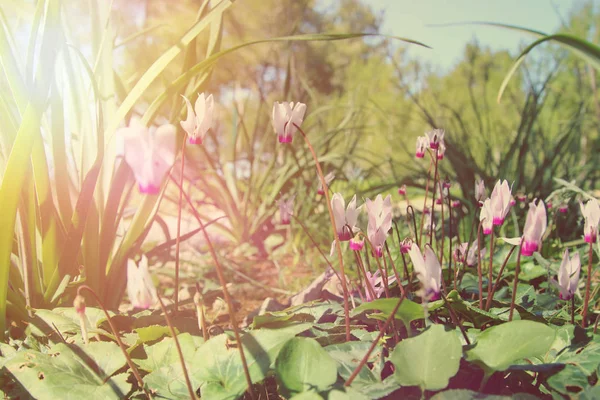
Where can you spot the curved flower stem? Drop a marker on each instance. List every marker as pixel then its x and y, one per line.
pixel 115 332
pixel 441 256
pixel 455 319
pixel 230 308
pixel 406 276
pixel 424 205
pixel 178 237
pixel 200 314
pixel 435 160
pixel 479 274
pixel 573 314
pixel 227 296
pixel 491 272
pixel 385 285
pixel 455 274
pixel 414 220
pixel 361 267
pixel 377 339
pixel 588 283
pixel 515 284
pixel 188 383
pixel 490 297
pixel 335 234
pixel 387 248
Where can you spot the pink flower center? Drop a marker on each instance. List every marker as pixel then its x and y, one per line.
pixel 149 189
pixel 356 245
pixel 285 139
pixel 195 140
pixel 498 221
pixel 528 248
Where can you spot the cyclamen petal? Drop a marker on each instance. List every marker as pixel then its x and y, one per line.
pixel 480 190
pixel 435 138
pixel 345 220
pixel 286 210
pixel 568 275
pixel 535 226
pixel 286 118
pixel 500 202
pixel 486 217
pixel 422 144
pixel 149 153
pixel 428 271
pixel 140 288
pixel 328 178
pixel 199 120
pixel 591 213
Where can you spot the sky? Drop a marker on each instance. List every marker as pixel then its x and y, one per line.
pixel 416 19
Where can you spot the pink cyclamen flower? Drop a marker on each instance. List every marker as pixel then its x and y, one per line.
pixel 436 138
pixel 380 222
pixel 513 202
pixel 422 144
pixel 402 190
pixel 591 213
pixel 486 217
pixel 480 193
pixel 446 183
pixel 377 284
pixel 198 123
pixel 345 219
pixel 150 153
pixel 328 178
pixel 563 208
pixel 441 151
pixel 549 205
pixel 521 197
pixel 426 210
pixel 428 271
pixel 406 245
pixel 460 253
pixel 286 117
pixel 500 203
pixel 140 288
pixel 357 243
pixel 286 210
pixel 535 226
pixel 472 259
pixel 456 204
pixel 568 276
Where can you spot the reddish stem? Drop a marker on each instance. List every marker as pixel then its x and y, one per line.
pixel 177 239
pixel 335 234
pixel 515 284
pixel 377 339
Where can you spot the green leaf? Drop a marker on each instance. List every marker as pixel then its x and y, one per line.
pixel 348 394
pixel 303 364
pixel 500 346
pixel 348 355
pixel 151 333
pixel 72 372
pixel 312 395
pixel 582 48
pixel 220 364
pixel 428 360
pixel 409 311
pixel 463 394
pixel 164 353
